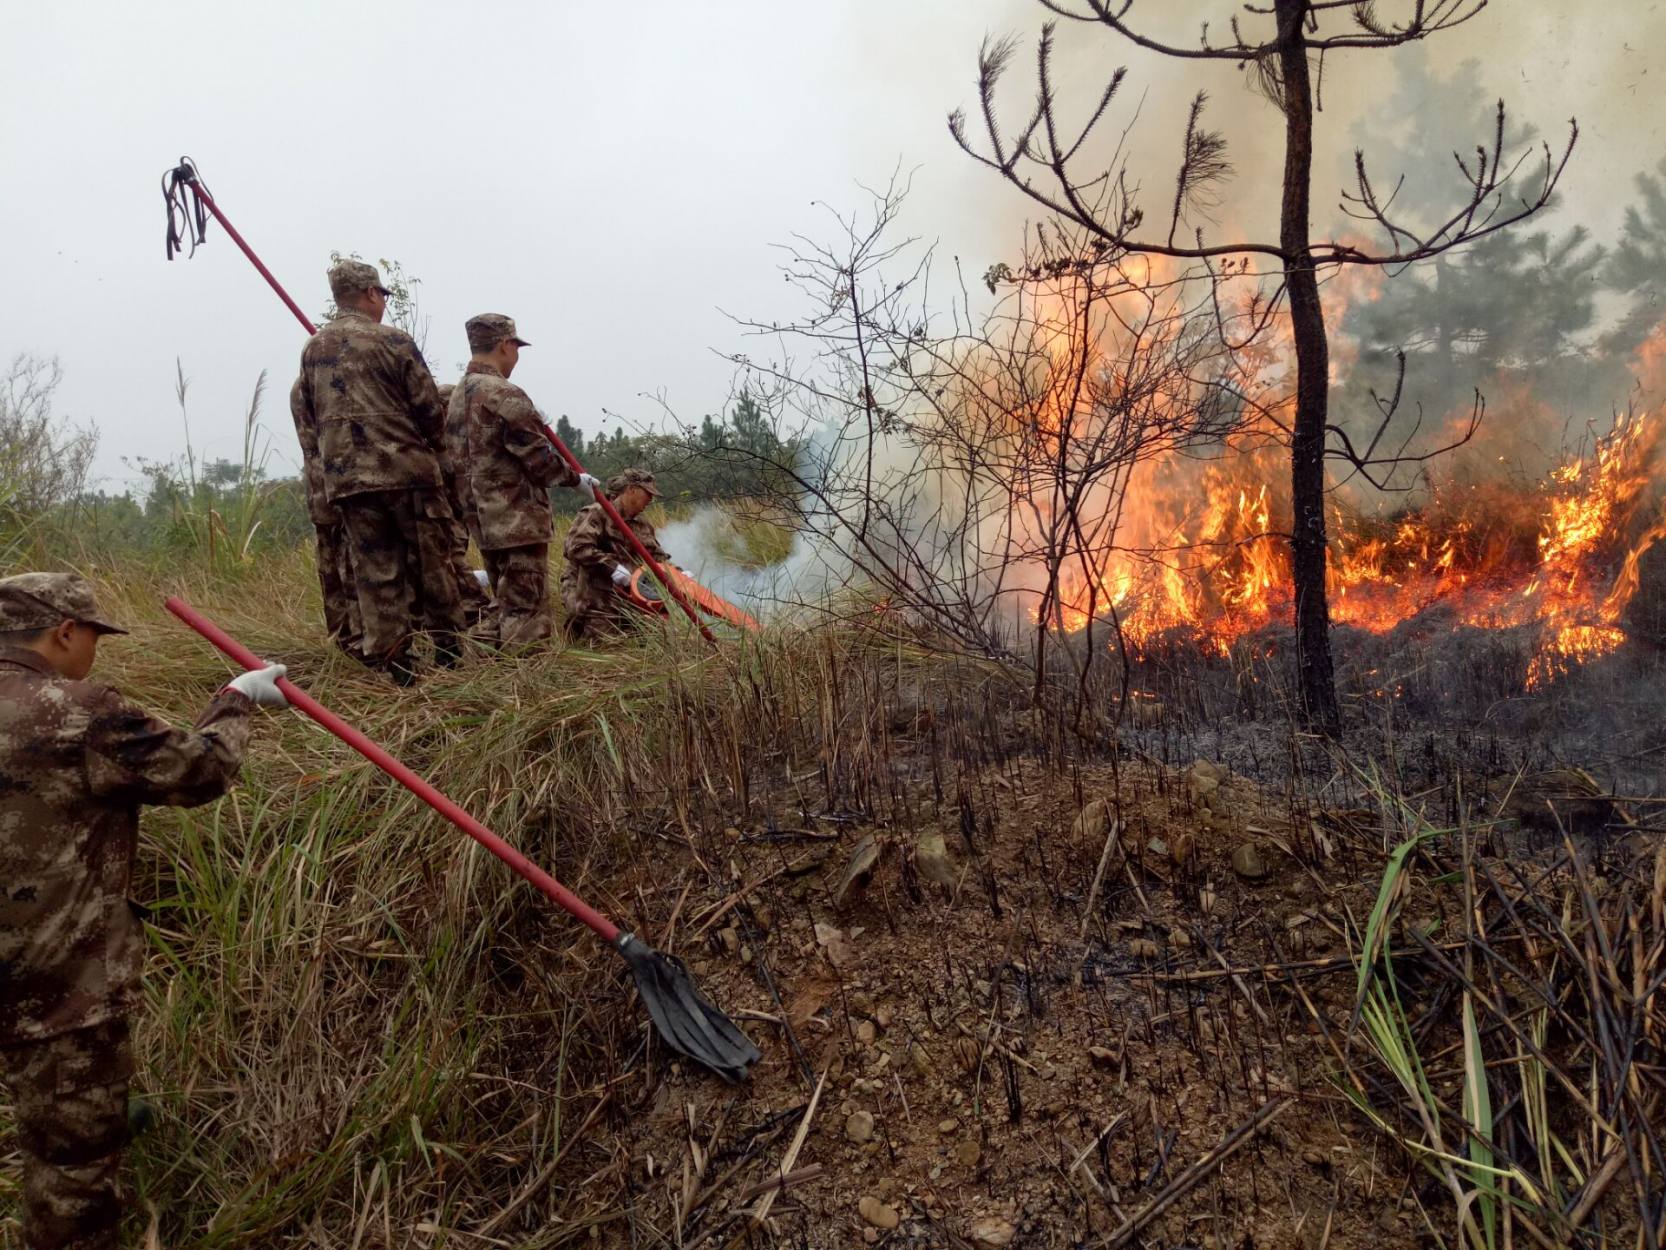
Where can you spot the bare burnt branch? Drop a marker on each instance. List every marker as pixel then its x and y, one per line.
pixel 1114 16
pixel 976 473
pixel 1427 19
pixel 1379 467
pixel 1481 214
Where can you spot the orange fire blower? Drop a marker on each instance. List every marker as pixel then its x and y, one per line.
pixel 644 596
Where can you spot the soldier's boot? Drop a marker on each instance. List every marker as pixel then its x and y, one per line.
pixel 403 670
pixel 141 1116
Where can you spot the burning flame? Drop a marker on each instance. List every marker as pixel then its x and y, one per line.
pixel 1201 550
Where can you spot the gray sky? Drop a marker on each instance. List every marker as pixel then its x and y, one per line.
pixel 611 175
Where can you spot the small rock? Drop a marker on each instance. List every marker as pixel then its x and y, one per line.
pixel 968 1153
pixel 877 1214
pixel 859 1127
pixel 918 1059
pixel 882 1017
pixel 1143 948
pixel 834 944
pixel 730 938
pixel 1313 1158
pixel 1179 939
pixel 991 1232
pixel 947 1126
pixel 858 871
pixel 1181 848
pixel 1157 848
pixel 764 918
pixel 1202 780
pixel 1104 1057
pixel 968 1052
pixel 1145 712
pixel 1206 899
pixel 1247 862
pixel 1209 769
pixel 931 857
pixel 814 860
pixel 865 1032
pixel 1092 823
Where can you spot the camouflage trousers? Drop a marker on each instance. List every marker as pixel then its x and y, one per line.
pixel 69 1098
pixel 594 609
pixel 520 579
pixel 335 583
pixel 399 542
pixel 477 604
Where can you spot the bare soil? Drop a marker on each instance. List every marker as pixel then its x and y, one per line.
pixel 997 1064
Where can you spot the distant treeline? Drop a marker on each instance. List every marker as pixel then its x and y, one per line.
pixel 223 506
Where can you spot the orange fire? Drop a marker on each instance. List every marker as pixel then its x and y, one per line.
pixel 1200 549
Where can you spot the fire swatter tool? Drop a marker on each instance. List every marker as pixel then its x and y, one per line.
pixel 688 1023
pixel 188 203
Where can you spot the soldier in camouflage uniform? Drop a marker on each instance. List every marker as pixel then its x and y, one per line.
pixel 335 569
pixel 477 604
pixel 380 438
pixel 599 559
pixel 76 761
pixel 511 467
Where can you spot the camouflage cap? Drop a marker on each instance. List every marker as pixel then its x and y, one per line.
pixel 44 600
pixel 626 478
pixel 349 277
pixel 489 329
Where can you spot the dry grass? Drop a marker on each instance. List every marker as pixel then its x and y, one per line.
pixel 362 1031
pixel 359 1026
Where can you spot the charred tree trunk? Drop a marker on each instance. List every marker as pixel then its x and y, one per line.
pixel 1307 321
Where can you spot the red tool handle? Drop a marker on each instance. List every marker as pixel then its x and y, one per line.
pixel 208 203
pixel 641 548
pixel 560 447
pixel 304 703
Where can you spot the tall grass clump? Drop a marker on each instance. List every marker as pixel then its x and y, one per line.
pixel 1526 1082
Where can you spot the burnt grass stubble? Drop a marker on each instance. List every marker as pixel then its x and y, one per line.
pixel 997 1061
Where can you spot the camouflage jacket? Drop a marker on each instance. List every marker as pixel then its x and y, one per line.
pixel 457 458
pixel 76 761
pixel 319 508
pixel 510 464
pixel 594 547
pixel 374 405
pixel 451 475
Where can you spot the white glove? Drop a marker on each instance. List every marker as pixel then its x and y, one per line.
pixel 261 686
pixel 621 577
pixel 589 486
